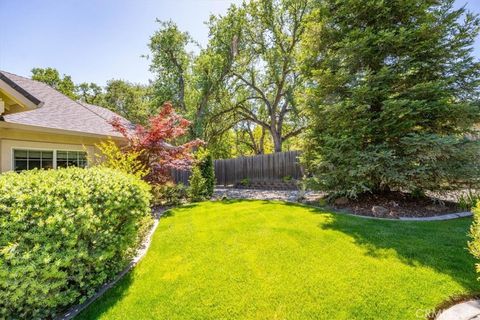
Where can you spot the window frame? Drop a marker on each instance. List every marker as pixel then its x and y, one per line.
pixel 13 149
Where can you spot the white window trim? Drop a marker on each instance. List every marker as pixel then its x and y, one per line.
pixel 12 152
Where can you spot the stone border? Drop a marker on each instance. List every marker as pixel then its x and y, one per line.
pixel 443 217
pixel 75 310
pixel 225 190
pixel 462 311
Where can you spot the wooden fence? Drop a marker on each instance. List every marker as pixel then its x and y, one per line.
pixel 267 167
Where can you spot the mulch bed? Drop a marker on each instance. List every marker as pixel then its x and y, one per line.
pixel 394 205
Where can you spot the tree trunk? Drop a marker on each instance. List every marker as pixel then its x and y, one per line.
pixel 277 142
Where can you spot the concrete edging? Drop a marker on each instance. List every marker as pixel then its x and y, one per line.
pixel 462 311
pixel 443 217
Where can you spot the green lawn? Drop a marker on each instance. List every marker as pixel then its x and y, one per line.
pixel 271 260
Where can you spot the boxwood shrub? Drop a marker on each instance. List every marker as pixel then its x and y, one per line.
pixel 63 233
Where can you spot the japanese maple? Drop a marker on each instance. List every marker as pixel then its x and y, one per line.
pixel 156 142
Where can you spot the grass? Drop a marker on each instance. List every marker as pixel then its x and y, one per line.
pixel 271 260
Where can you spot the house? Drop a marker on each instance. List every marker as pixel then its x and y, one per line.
pixel 42 128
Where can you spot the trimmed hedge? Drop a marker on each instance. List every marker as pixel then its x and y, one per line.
pixel 63 234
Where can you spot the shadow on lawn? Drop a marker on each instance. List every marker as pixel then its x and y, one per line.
pixel 108 300
pixel 440 245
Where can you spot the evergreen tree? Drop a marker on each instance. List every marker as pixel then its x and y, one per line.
pixel 393 96
pixel 205 164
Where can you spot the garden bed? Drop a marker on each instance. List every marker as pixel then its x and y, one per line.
pixel 395 205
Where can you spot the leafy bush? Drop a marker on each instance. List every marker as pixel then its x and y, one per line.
pixel 196 189
pixel 156 143
pixel 474 244
pixel 126 161
pixel 169 194
pixel 245 182
pixel 468 200
pixel 63 234
pixel 205 164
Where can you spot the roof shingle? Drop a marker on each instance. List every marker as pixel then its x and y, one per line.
pixel 60 112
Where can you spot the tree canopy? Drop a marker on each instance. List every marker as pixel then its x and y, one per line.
pixel 246 76
pixel 52 77
pixel 392 96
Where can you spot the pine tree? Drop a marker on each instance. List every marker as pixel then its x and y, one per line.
pixel 393 96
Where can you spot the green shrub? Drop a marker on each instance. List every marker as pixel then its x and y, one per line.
pixel 64 233
pixel 126 161
pixel 245 182
pixel 196 189
pixel 205 164
pixel 468 200
pixel 169 194
pixel 474 244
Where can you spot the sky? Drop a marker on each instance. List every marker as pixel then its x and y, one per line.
pixel 95 41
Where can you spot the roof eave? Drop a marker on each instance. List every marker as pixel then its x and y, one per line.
pixel 13 125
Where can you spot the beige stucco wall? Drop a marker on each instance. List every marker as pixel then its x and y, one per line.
pixel 11 138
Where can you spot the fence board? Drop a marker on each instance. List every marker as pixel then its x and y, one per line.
pixel 267 167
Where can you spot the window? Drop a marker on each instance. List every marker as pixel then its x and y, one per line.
pixel 71 159
pixel 31 159
pixel 48 159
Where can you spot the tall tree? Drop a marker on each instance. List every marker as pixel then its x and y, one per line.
pixel 171 63
pixel 52 77
pixel 90 93
pixel 194 83
pixel 263 72
pixel 132 101
pixel 393 92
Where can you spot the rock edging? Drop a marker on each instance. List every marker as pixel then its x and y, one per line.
pixel 442 217
pixel 467 310
pixel 75 310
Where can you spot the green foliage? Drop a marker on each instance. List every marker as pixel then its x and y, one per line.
pixel 468 200
pixel 196 188
pixel 111 156
pixel 91 93
pixel 474 244
pixel 169 194
pixel 205 164
pixel 392 99
pixel 130 100
pixel 170 61
pixel 245 77
pixel 245 182
pixel 65 233
pixel 260 40
pixel 52 77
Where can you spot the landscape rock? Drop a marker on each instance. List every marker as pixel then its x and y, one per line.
pixel 434 208
pixel 341 201
pixel 379 211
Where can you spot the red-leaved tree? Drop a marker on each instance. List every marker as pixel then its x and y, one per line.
pixel 156 142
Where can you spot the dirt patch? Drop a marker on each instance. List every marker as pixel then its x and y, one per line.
pixel 394 205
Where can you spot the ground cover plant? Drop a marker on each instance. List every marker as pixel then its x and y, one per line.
pixel 271 260
pixel 63 234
